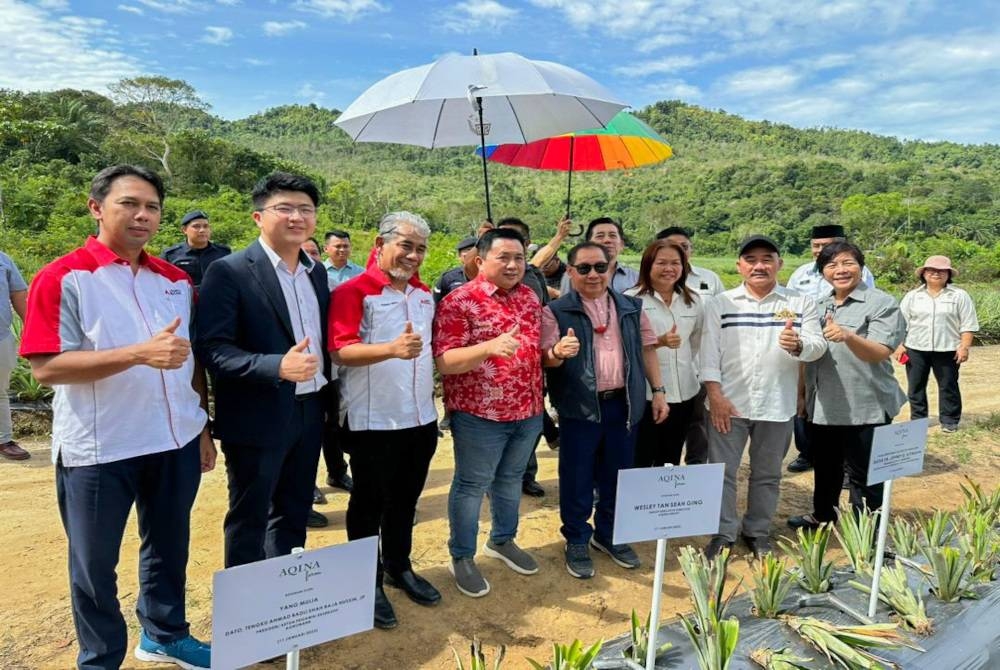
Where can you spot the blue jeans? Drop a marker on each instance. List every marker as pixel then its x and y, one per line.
pixel 490 457
pixel 592 453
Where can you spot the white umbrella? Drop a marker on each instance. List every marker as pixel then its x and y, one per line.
pixel 462 100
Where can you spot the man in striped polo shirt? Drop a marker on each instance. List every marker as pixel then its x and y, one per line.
pixel 108 327
pixel 753 340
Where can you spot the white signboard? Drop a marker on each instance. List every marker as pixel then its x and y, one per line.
pixel 897 451
pixel 660 503
pixel 269 608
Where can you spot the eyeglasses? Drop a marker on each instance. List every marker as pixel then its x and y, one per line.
pixel 285 211
pixel 585 268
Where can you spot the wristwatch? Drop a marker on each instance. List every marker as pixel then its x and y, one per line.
pixel 660 389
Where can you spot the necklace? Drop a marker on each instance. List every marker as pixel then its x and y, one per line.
pixel 600 330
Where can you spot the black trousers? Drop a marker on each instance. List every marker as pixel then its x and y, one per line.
pixel 389 469
pixel 333 452
pixel 918 370
pixel 659 443
pixel 834 450
pixel 94 503
pixel 697 432
pixel 271 488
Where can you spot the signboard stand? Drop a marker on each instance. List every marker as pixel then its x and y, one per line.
pixel 897 451
pixel 661 503
pixel 279 606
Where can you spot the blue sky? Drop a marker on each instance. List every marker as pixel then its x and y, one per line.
pixel 923 69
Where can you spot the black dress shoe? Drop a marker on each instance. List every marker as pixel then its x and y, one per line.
pixel 758 546
pixel 530 487
pixel 318 497
pixel 715 545
pixel 416 587
pixel 800 464
pixel 385 617
pixel 316 520
pixel 342 481
pixel 807 521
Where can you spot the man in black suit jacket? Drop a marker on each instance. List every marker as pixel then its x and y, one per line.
pixel 261 327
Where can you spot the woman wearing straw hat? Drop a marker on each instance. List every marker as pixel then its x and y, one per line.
pixel 940 322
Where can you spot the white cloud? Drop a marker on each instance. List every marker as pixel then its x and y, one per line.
pixel 673 89
pixel 472 15
pixel 56 5
pixel 229 3
pixel 218 35
pixel 131 9
pixel 42 51
pixel 661 41
pixel 256 62
pixel 763 80
pixel 310 93
pixel 347 10
pixel 666 65
pixel 282 28
pixel 172 6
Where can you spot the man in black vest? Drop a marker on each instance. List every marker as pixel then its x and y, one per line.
pixel 197 252
pixel 599 349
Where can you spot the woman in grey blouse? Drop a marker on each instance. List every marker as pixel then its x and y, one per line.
pixel 851 389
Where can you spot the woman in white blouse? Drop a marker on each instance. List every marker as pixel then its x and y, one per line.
pixel 675 312
pixel 940 323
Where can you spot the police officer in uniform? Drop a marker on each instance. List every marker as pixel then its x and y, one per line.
pixel 198 252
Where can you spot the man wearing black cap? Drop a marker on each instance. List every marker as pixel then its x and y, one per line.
pixel 753 339
pixel 808 280
pixel 455 277
pixel 198 252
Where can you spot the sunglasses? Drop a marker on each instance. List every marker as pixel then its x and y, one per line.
pixel 585 268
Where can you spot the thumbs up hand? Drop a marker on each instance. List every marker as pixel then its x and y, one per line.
pixel 568 345
pixel 833 332
pixel 506 344
pixel 408 345
pixel 298 365
pixel 166 350
pixel 670 339
pixel 789 340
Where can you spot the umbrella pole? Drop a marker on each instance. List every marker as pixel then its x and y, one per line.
pixel 569 182
pixel 482 146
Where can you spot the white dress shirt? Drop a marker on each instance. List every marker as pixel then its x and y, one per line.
pixel 678 369
pixel 303 310
pixel 937 323
pixel 739 349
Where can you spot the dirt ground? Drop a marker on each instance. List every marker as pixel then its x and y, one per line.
pixel 524 613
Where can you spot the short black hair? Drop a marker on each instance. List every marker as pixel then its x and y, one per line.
pixel 834 249
pixel 571 256
pixel 673 230
pixel 341 234
pixel 315 241
pixel 283 181
pixel 515 222
pixel 485 242
pixel 100 185
pixel 600 221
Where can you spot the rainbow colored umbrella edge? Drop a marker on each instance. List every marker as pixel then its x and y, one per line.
pixel 626 142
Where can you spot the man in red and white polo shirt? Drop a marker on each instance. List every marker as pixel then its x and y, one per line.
pixel 380 332
pixel 108 328
pixel 486 345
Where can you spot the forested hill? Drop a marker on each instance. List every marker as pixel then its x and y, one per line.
pixel 729 176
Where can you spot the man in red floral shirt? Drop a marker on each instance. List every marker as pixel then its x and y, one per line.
pixel 486 346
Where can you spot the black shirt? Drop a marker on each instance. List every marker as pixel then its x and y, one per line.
pixel 448 282
pixel 194 261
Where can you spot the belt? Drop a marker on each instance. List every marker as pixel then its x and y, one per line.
pixel 611 394
pixel 306 397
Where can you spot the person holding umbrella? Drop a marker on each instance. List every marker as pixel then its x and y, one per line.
pixel 608 233
pixel 940 323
